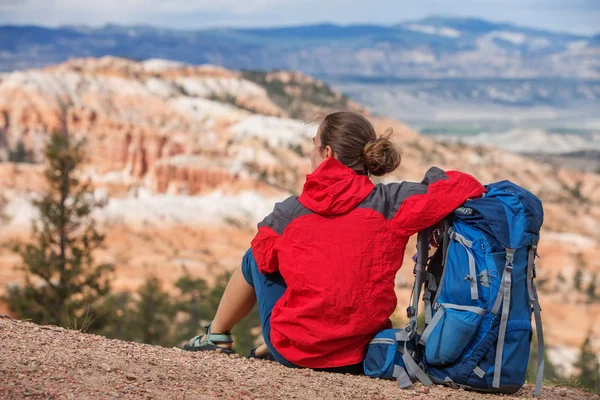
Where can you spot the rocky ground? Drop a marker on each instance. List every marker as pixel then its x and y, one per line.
pixel 49 362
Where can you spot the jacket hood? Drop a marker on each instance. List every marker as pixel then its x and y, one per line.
pixel 334 189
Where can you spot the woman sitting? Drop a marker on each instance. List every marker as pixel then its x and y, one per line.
pixel 323 264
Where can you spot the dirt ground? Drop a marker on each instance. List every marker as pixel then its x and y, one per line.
pixel 49 362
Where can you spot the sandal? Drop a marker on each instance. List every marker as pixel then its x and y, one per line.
pixel 267 356
pixel 210 342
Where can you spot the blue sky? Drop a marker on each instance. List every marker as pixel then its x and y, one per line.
pixel 578 16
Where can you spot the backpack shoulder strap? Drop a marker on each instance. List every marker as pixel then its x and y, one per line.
pixel 445 245
pixel 414 371
pixel 420 278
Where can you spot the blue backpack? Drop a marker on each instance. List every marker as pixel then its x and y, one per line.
pixel 479 296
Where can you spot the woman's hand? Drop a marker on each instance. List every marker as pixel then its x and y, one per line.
pixel 435 237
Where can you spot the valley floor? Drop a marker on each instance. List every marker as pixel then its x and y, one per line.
pixel 49 362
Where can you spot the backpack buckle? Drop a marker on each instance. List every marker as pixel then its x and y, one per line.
pixel 510 259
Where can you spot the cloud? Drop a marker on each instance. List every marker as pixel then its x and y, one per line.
pixel 199 13
pixel 128 6
pixel 585 5
pixel 10 5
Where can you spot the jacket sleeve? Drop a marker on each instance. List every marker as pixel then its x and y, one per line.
pixel 264 249
pixel 421 205
pixel 265 244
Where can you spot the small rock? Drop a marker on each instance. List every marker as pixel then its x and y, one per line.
pixel 130 377
pixel 105 367
pixel 425 390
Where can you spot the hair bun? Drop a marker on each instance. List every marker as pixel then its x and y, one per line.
pixel 380 156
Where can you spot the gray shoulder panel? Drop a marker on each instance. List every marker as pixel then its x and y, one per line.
pixel 387 198
pixel 283 214
pixel 433 175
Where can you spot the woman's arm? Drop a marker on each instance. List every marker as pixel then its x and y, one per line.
pixel 421 205
pixel 265 244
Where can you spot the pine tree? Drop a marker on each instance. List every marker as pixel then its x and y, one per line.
pixel 577 280
pixel 193 303
pixel 151 318
pixel 589 366
pixel 591 289
pixel 114 317
pixel 62 281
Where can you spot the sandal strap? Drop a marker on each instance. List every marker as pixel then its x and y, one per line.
pixel 210 339
pixel 214 338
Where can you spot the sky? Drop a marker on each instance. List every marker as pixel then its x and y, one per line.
pixel 576 16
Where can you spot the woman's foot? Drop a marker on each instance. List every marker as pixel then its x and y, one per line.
pixel 262 352
pixel 219 342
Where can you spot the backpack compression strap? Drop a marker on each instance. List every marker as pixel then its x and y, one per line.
pixel 504 300
pixel 537 312
pixel 402 377
pixel 472 276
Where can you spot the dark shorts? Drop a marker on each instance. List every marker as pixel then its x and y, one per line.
pixel 269 289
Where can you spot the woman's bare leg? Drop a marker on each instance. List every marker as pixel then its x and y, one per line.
pixel 238 300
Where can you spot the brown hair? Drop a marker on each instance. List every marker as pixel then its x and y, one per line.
pixel 356 145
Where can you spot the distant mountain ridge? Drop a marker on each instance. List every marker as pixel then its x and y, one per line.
pixel 434 47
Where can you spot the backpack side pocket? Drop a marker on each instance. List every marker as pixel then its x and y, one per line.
pixel 450 332
pixel 381 355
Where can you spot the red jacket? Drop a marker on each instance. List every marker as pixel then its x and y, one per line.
pixel 338 247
